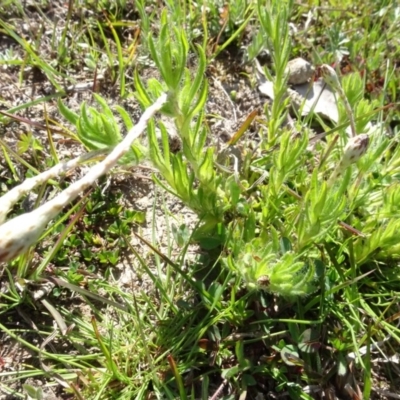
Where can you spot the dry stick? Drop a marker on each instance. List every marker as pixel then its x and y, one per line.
pixel 11 197
pixel 331 78
pixel 18 234
pixel 219 391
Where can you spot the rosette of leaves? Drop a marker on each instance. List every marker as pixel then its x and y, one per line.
pixel 274 267
pixel 97 128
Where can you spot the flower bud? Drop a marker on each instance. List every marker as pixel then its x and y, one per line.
pixel 356 147
pixel 330 76
pixel 354 150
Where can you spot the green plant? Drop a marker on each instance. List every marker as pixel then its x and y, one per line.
pixel 98 130
pixel 186 100
pixel 287 280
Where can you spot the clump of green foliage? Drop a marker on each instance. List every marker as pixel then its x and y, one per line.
pixel 297 276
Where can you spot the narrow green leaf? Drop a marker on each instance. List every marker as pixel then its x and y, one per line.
pixel 141 93
pixel 125 117
pixel 67 113
pixel 206 171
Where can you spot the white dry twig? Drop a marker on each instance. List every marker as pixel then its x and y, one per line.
pixel 18 234
pixel 8 200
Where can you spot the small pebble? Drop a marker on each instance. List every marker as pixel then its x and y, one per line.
pixel 300 71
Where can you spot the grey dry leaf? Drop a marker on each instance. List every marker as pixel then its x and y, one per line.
pixel 316 97
pixel 305 95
